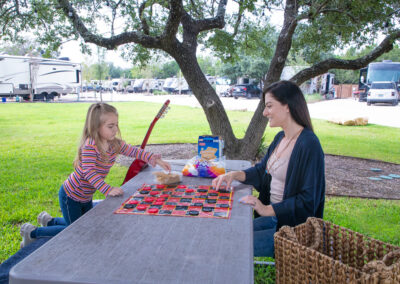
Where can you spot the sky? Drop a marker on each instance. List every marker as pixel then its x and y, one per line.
pixel 71 49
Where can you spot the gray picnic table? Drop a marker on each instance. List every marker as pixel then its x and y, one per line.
pixel 103 247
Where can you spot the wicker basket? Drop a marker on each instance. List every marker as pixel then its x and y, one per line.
pixel 321 252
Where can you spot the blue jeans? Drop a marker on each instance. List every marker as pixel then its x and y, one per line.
pixel 71 211
pixel 264 229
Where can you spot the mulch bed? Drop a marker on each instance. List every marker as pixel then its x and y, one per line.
pixel 345 176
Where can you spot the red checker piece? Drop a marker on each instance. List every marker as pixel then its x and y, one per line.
pixel 189 190
pixel 153 210
pixel 158 203
pixel 149 199
pixel 160 186
pixel 164 195
pixel 141 207
pixel 181 186
pixel 160 199
pixel 153 193
pixel 147 187
pixel 133 202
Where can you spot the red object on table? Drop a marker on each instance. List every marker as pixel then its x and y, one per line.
pixel 137 165
pixel 149 199
pixel 141 207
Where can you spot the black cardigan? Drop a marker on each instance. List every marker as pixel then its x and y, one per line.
pixel 304 192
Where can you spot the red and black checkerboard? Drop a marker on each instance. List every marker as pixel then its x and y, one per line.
pixel 181 200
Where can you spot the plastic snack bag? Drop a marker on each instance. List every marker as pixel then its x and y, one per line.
pixel 200 167
pixel 168 178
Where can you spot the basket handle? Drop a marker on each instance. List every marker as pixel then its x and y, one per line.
pixel 288 232
pixel 386 264
pixel 391 256
pixel 317 232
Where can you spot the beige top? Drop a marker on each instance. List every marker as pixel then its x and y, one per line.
pixel 278 169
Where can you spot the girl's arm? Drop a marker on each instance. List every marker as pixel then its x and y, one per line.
pixel 138 153
pixel 148 157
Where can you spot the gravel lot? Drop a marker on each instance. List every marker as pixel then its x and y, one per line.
pixel 381 114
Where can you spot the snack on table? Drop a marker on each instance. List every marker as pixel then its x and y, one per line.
pixel 197 167
pixel 167 178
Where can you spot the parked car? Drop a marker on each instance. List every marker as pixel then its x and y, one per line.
pixel 246 90
pixel 383 92
pixel 129 89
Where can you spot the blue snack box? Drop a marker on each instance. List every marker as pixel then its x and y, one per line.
pixel 210 147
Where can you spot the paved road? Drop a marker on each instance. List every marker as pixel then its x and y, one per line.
pixel 341 108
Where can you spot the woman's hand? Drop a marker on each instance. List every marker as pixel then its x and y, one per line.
pixel 116 191
pixel 228 178
pixel 163 164
pixel 263 210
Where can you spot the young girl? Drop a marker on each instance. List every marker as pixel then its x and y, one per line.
pixel 100 144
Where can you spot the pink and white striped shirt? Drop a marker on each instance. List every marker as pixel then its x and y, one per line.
pixel 92 170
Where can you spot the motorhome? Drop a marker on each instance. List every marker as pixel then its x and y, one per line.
pixel 169 84
pixel 378 72
pixel 35 78
pixel 180 86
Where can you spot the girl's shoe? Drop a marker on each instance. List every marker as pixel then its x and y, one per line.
pixel 25 232
pixel 44 218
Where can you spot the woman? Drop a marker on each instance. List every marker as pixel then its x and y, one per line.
pixel 290 178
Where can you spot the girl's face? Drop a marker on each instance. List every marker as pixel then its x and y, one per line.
pixel 277 113
pixel 109 128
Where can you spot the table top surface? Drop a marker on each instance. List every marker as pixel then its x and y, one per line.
pixel 103 247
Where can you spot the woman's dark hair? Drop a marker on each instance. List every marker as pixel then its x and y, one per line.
pixel 288 93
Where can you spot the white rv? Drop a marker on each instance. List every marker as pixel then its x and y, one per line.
pixel 38 78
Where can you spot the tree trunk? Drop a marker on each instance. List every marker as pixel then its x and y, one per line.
pixel 214 109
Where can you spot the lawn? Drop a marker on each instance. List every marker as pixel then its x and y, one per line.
pixel 39 142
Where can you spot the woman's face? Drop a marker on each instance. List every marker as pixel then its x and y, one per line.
pixel 277 113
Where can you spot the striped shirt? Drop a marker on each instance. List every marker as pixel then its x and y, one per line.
pixel 92 170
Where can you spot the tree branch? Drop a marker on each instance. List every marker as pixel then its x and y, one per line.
pixel 238 20
pixel 326 11
pixel 145 26
pixel 284 43
pixel 218 22
pixel 174 18
pixel 334 63
pixel 111 42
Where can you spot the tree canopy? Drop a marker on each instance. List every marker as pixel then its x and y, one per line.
pixel 145 29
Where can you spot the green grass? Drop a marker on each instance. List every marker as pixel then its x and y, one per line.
pixel 311 98
pixel 39 141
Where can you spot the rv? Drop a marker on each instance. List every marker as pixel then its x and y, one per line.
pixel 180 86
pixel 378 72
pixel 38 78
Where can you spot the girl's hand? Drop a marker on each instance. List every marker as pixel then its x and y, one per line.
pixel 263 210
pixel 116 191
pixel 165 165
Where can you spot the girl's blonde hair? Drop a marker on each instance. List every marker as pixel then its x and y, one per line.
pixel 94 120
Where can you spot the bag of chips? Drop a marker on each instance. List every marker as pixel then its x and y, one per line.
pixel 200 167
